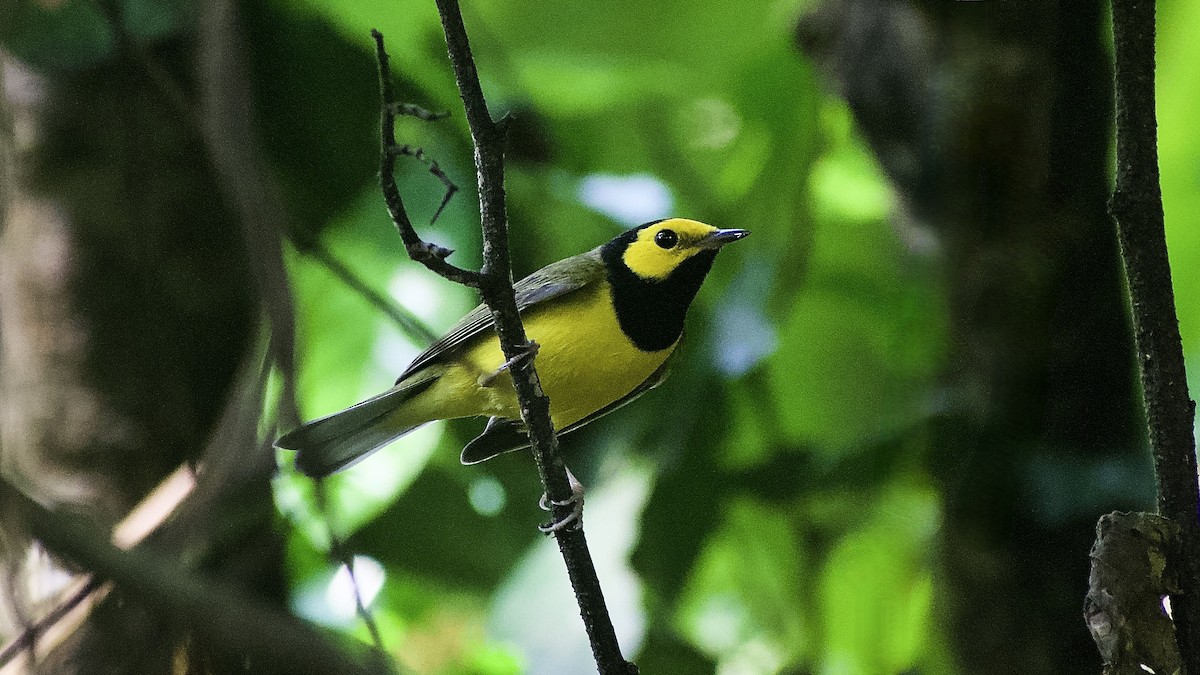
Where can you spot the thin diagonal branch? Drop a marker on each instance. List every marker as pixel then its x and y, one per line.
pixel 1137 207
pixel 219 612
pixel 410 325
pixel 32 633
pixel 341 555
pixel 496 288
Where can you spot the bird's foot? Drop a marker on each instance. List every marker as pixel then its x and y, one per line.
pixel 527 352
pixel 574 518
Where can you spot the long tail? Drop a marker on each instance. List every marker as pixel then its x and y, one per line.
pixel 335 442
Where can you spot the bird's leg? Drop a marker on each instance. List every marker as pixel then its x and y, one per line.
pixel 576 516
pixel 527 352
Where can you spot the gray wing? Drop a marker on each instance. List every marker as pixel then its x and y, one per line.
pixel 505 435
pixel 552 281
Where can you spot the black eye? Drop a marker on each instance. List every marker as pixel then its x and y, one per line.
pixel 666 238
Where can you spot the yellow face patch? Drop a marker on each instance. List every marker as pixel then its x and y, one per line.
pixel 662 247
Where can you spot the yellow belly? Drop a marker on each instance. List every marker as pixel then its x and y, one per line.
pixel 585 363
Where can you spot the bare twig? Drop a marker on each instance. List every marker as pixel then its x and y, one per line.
pixel 410 110
pixel 32 634
pixel 496 288
pixel 341 555
pixel 1137 207
pixel 224 615
pixel 419 154
pixel 429 255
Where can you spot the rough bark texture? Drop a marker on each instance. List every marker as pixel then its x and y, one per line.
pixel 494 281
pixel 993 121
pixel 1123 609
pixel 1137 206
pixel 127 309
pixel 496 288
pixel 122 325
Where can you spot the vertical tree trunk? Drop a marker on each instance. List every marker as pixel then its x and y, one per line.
pixel 126 309
pixel 993 120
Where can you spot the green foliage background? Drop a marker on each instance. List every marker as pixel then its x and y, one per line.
pixel 771 508
pixel 768 510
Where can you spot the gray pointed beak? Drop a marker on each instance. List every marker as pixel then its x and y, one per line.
pixel 720 238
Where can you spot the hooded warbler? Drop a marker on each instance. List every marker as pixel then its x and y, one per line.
pixel 606 323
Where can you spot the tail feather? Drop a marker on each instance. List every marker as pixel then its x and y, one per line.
pixel 335 442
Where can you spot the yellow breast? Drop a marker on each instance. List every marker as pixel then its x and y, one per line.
pixel 585 363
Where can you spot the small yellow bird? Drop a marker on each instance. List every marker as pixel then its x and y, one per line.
pixel 606 322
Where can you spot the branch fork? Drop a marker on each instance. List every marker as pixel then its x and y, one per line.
pixel 495 285
pixel 424 251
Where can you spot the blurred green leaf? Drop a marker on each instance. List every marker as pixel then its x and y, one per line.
pixel 152 19
pixel 876 586
pixel 665 652
pixel 56 36
pixel 745 599
pixel 318 110
pixel 433 532
pixel 412 32
pixel 689 489
pixel 1179 161
pixel 863 339
pixel 789 500
pixel 76 34
pixel 846 183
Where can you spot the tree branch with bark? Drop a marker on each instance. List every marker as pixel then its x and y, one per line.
pixel 1138 211
pixel 495 284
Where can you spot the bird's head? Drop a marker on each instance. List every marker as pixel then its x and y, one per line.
pixel 655 250
pixel 655 271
